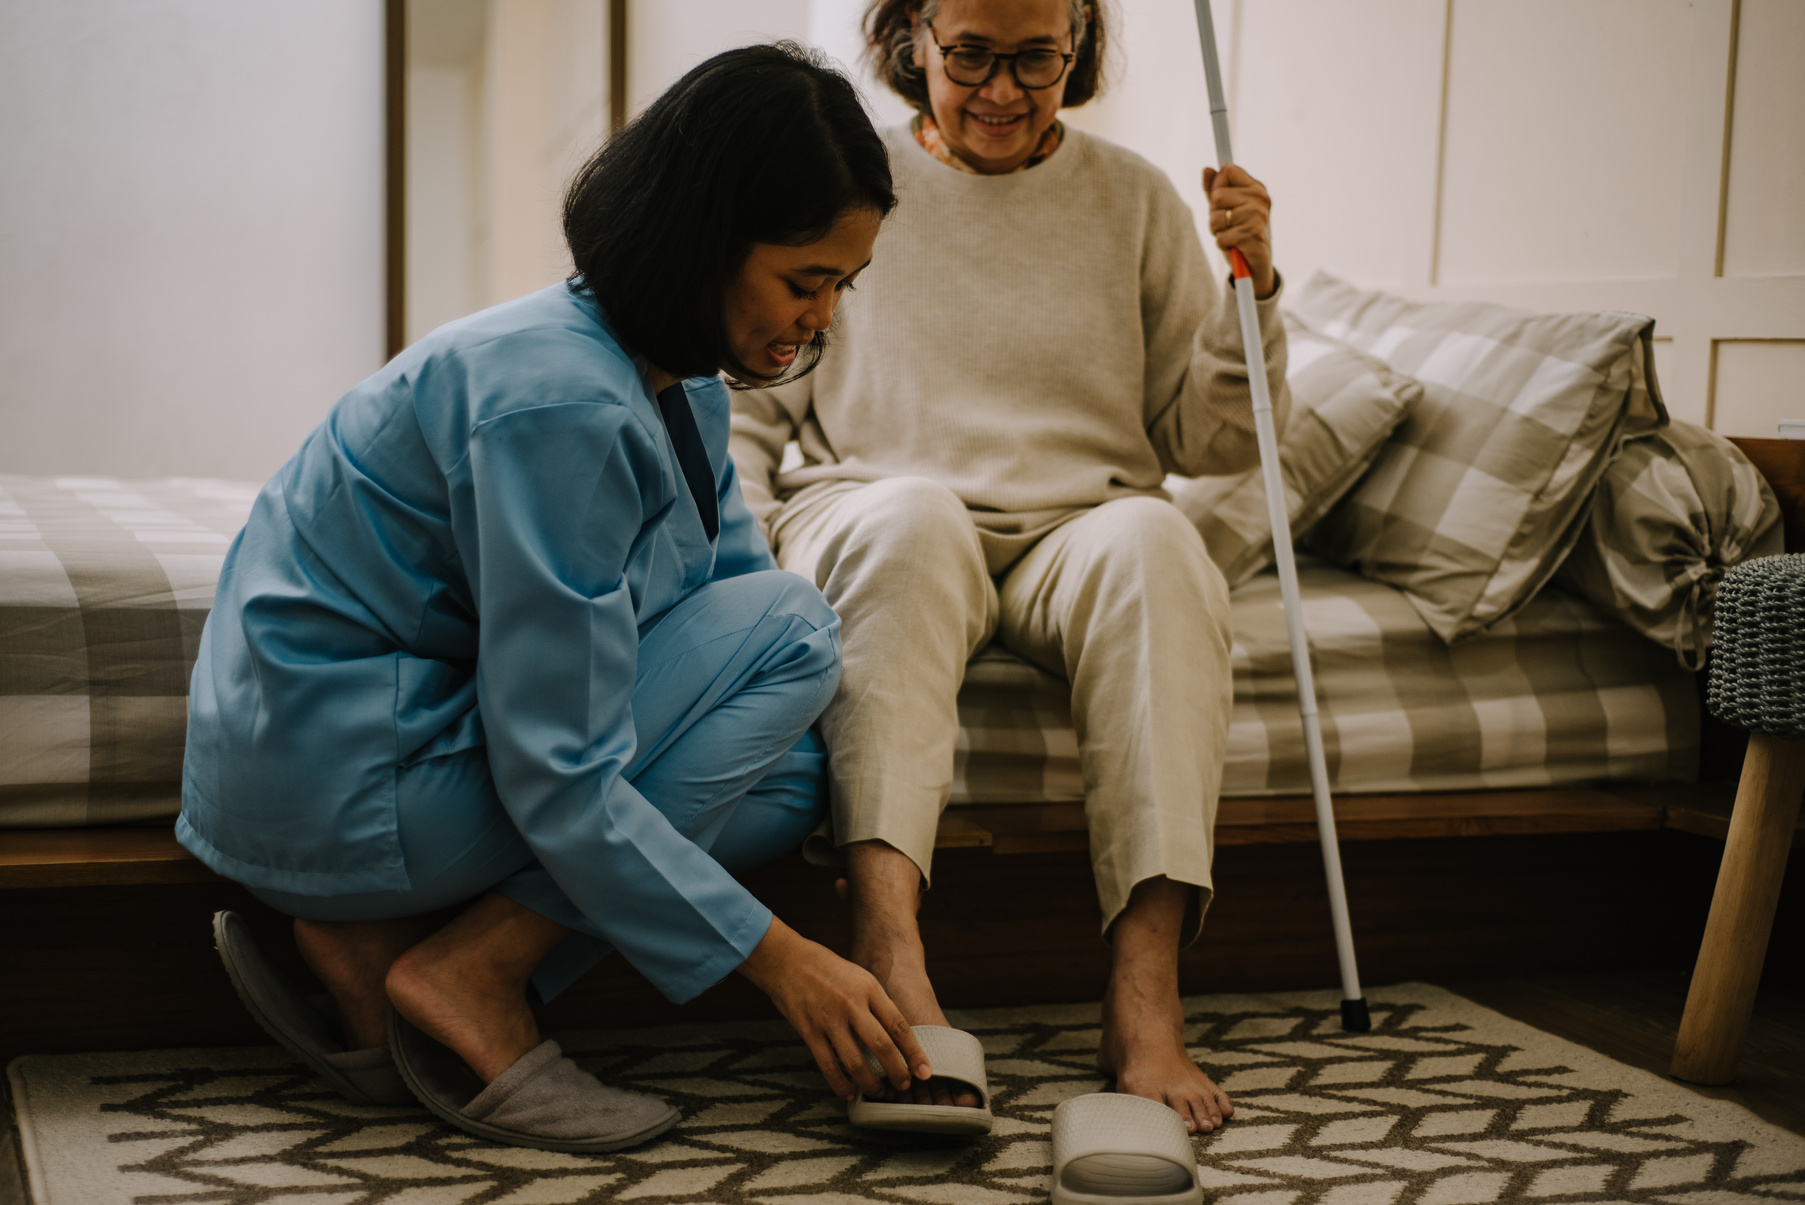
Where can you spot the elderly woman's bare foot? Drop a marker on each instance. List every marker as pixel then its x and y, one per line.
pixel 1143 1044
pixel 1143 1049
pixel 885 891
pixel 465 986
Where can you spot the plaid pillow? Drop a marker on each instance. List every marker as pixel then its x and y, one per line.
pixel 1484 487
pixel 1343 407
pixel 1672 513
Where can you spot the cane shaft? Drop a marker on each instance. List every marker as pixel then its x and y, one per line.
pixel 1354 1015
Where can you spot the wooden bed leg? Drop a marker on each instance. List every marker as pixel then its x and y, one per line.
pixel 1742 911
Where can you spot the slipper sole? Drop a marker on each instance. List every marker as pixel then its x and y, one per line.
pixel 1062 1195
pixel 278 1032
pixel 957 1120
pixel 446 1113
pixel 958 1056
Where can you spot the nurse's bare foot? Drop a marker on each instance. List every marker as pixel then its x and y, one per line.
pixel 884 886
pixel 1143 1045
pixel 465 986
pixel 351 958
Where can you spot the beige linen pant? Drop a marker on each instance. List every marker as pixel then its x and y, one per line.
pixel 1121 599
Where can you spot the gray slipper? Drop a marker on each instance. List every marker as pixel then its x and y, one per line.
pixel 543 1101
pixel 364 1077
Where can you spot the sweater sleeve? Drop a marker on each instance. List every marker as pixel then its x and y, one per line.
pixel 764 420
pixel 561 493
pixel 1198 404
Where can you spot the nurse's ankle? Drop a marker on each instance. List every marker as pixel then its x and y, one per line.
pixel 483 1018
pixel 351 962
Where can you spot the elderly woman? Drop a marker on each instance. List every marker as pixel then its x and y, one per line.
pixel 1039 339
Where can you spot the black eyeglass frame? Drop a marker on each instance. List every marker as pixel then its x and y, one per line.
pixel 997 59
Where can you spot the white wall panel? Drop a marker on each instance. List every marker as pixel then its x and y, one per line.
pixel 1758 383
pixel 668 37
pixel 192 257
pixel 1338 111
pixel 446 264
pixel 1565 135
pixel 544 112
pixel 1550 154
pixel 1156 102
pixel 1764 219
pixel 833 26
pixel 1663 369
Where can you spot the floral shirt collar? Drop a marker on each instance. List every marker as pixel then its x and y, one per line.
pixel 927 134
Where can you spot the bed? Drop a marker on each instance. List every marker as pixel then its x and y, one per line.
pixel 104 586
pixel 1515 552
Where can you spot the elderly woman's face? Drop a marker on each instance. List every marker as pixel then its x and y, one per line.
pixel 997 125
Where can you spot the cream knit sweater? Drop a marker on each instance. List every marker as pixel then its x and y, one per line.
pixel 1035 342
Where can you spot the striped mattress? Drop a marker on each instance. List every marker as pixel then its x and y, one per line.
pixel 104 586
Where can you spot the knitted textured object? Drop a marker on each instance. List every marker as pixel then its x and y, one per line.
pixel 1758 663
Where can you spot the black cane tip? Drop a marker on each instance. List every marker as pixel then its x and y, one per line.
pixel 1354 1017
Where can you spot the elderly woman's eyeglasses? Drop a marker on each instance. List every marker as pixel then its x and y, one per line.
pixel 975 66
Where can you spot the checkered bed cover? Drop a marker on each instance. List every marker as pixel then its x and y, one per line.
pixel 104 586
pixel 1556 695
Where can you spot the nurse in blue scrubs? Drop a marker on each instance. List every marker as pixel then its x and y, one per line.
pixel 501 674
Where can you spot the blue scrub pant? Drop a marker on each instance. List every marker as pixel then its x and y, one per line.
pixel 721 713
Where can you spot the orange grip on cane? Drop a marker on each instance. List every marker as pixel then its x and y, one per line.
pixel 1238 264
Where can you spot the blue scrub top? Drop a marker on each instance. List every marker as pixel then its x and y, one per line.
pixel 511 466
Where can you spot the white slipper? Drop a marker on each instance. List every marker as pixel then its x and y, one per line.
pixel 1111 1149
pixel 955 1055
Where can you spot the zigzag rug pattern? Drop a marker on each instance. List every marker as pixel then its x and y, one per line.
pixel 1444 1103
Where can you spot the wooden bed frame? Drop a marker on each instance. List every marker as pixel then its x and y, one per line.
pixel 126 857
pixel 104 931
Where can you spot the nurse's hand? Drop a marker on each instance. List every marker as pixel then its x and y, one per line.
pixel 839 1009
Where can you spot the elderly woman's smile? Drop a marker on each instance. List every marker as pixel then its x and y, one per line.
pixel 997 125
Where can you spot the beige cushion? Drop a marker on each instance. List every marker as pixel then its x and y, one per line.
pixel 1483 489
pixel 1343 407
pixel 1672 513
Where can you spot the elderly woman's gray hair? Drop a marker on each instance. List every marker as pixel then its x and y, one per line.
pixel 890 48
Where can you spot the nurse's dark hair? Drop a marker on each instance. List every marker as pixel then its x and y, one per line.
pixel 764 144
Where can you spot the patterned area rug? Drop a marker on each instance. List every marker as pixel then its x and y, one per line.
pixel 1444 1103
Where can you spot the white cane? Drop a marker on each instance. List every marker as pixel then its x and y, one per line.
pixel 1354 1016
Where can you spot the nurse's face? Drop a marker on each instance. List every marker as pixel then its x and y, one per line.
pixel 784 296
